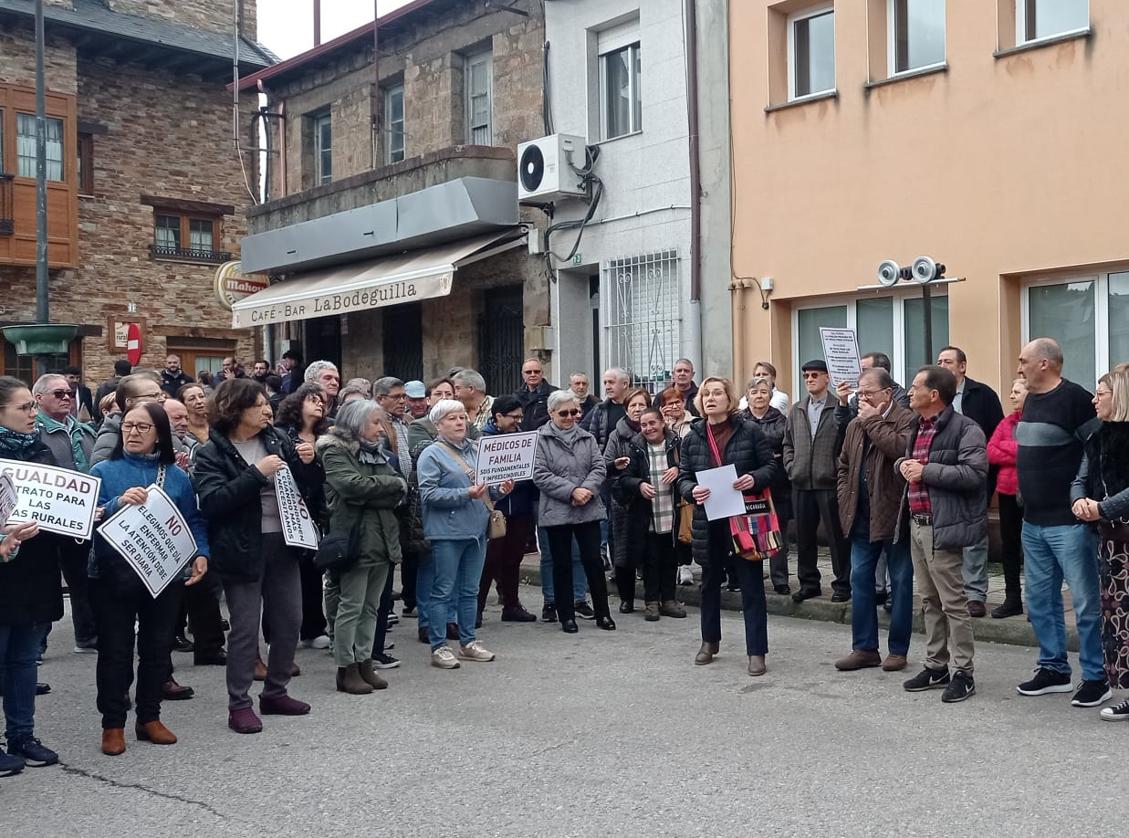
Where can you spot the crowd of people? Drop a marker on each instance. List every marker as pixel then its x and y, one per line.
pixel 899 481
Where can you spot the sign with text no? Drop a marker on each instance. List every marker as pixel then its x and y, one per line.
pixel 153 538
pixel 298 528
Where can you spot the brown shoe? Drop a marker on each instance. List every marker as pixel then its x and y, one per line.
pixel 349 680
pixel 757 665
pixel 370 677
pixel 858 660
pixel 670 608
pixel 113 741
pixel 894 663
pixel 295 670
pixel 976 608
pixel 651 612
pixel 154 732
pixel 706 653
pixel 260 670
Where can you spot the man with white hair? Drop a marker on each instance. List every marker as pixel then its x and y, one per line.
pixel 470 389
pixel 601 420
pixel 325 375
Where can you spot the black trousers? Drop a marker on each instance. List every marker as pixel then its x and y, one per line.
pixel 409 570
pixel 74 557
pixel 754 607
pixel 313 615
pixel 200 605
pixel 810 506
pixel 560 547
pixel 1011 536
pixel 660 568
pixel 382 618
pixel 116 607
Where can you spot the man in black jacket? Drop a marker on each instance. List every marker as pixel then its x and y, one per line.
pixel 172 376
pixel 979 403
pixel 533 395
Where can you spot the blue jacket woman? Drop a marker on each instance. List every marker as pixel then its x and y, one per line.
pixel 142 456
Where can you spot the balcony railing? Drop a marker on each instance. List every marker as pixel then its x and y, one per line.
pixel 160 251
pixel 7 210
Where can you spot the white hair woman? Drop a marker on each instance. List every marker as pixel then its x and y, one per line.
pixel 455 518
pixel 362 492
pixel 569 470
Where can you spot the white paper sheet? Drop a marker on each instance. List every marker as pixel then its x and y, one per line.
pixel 724 501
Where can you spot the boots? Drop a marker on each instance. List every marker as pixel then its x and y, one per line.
pixel 706 653
pixel 349 680
pixel 651 612
pixel 757 665
pixel 113 741
pixel 154 732
pixel 368 674
pixel 671 608
pixel 1012 606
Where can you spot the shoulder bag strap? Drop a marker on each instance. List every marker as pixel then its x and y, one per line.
pixel 469 472
pixel 161 476
pixel 713 444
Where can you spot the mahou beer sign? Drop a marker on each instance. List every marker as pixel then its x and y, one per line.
pixel 233 285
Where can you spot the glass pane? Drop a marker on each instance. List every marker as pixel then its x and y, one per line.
pixel 396 106
pixel 168 231
pixel 1047 18
pixel 914 316
pixel 200 235
pixel 814 44
pixel 809 346
pixel 1118 319
pixel 637 94
pixel 1066 313
pixel 617 90
pixel 874 324
pixel 919 33
pixel 25 146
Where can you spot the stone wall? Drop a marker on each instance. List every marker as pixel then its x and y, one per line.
pixel 214 15
pixel 17 59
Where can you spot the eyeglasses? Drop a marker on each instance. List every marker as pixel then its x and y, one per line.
pixel 136 427
pixel 531 372
pixel 517 418
pixel 28 407
pixel 564 413
pixel 62 394
pixel 812 375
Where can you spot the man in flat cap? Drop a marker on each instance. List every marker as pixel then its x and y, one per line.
pixel 812 441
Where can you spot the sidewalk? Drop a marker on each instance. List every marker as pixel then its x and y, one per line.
pixel 1015 631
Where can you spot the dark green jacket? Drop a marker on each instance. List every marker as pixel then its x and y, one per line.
pixel 364 492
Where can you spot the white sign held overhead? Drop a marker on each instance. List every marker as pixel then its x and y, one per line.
pixel 841 352
pixel 60 500
pixel 298 529
pixel 505 457
pixel 152 537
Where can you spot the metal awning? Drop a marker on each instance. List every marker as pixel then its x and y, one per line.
pixel 406 278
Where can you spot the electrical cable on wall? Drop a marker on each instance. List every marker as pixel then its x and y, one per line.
pixel 592 182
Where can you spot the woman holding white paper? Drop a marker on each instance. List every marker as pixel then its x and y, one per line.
pixel 142 457
pixel 724 438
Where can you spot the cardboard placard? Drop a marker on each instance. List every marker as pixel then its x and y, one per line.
pixel 61 500
pixel 298 529
pixel 152 537
pixel 504 457
pixel 841 352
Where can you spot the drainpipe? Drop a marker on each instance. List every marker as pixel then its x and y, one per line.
pixel 377 102
pixel 690 12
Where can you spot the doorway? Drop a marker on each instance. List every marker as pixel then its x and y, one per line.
pixel 501 339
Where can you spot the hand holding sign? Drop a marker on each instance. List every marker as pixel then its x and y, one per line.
pixel 841 352
pixel 153 538
pixel 505 457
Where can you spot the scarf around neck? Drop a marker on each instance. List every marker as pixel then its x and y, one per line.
pixel 14 445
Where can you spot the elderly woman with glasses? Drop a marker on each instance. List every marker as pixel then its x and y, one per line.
pixel 569 470
pixel 132 390
pixel 772 423
pixel 456 514
pixel 142 457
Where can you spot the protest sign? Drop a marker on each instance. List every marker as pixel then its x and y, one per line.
pixel 298 528
pixel 152 537
pixel 61 500
pixel 8 498
pixel 505 457
pixel 841 352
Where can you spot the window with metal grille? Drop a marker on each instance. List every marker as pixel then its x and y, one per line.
pixel 643 325
pixel 479 95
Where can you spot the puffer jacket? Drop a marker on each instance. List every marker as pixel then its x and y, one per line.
pixel 617 446
pixel 631 512
pixel 558 468
pixel 883 438
pixel 812 463
pixel 362 495
pixel 1003 449
pixel 750 453
pixel 956 477
pixel 228 489
pixel 773 424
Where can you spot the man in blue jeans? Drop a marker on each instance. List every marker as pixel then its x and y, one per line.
pixel 1057 417
pixel 869 493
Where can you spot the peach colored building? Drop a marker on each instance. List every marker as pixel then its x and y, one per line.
pixel 990 135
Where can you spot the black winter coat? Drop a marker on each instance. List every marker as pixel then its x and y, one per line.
pixel 228 488
pixel 773 423
pixel 748 450
pixel 534 405
pixel 634 510
pixel 30 586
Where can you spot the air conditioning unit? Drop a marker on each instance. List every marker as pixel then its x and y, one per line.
pixel 543 171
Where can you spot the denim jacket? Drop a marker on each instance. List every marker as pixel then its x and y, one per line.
pixel 449 512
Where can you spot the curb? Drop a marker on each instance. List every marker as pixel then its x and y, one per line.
pixel 1011 631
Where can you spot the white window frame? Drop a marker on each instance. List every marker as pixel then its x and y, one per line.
pixel 320 176
pixel 898 354
pixel 634 48
pixel 486 59
pixel 389 130
pixel 793 19
pixel 892 44
pixel 1102 361
pixel 1021 38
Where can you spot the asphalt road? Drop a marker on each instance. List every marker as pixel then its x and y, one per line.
pixel 597 734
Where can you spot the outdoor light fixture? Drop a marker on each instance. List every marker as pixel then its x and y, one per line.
pixel 765 286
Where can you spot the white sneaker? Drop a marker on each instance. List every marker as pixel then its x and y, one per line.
pixel 1118 713
pixel 444 658
pixel 322 641
pixel 474 651
pixel 685 575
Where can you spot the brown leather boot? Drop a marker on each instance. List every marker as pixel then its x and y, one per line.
pixel 154 732
pixel 349 680
pixel 706 653
pixel 113 741
pixel 370 676
pixel 757 665
pixel 858 659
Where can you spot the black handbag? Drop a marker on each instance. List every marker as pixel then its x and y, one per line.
pixel 338 550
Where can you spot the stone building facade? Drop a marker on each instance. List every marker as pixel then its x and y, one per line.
pixel 150 191
pixel 457 86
